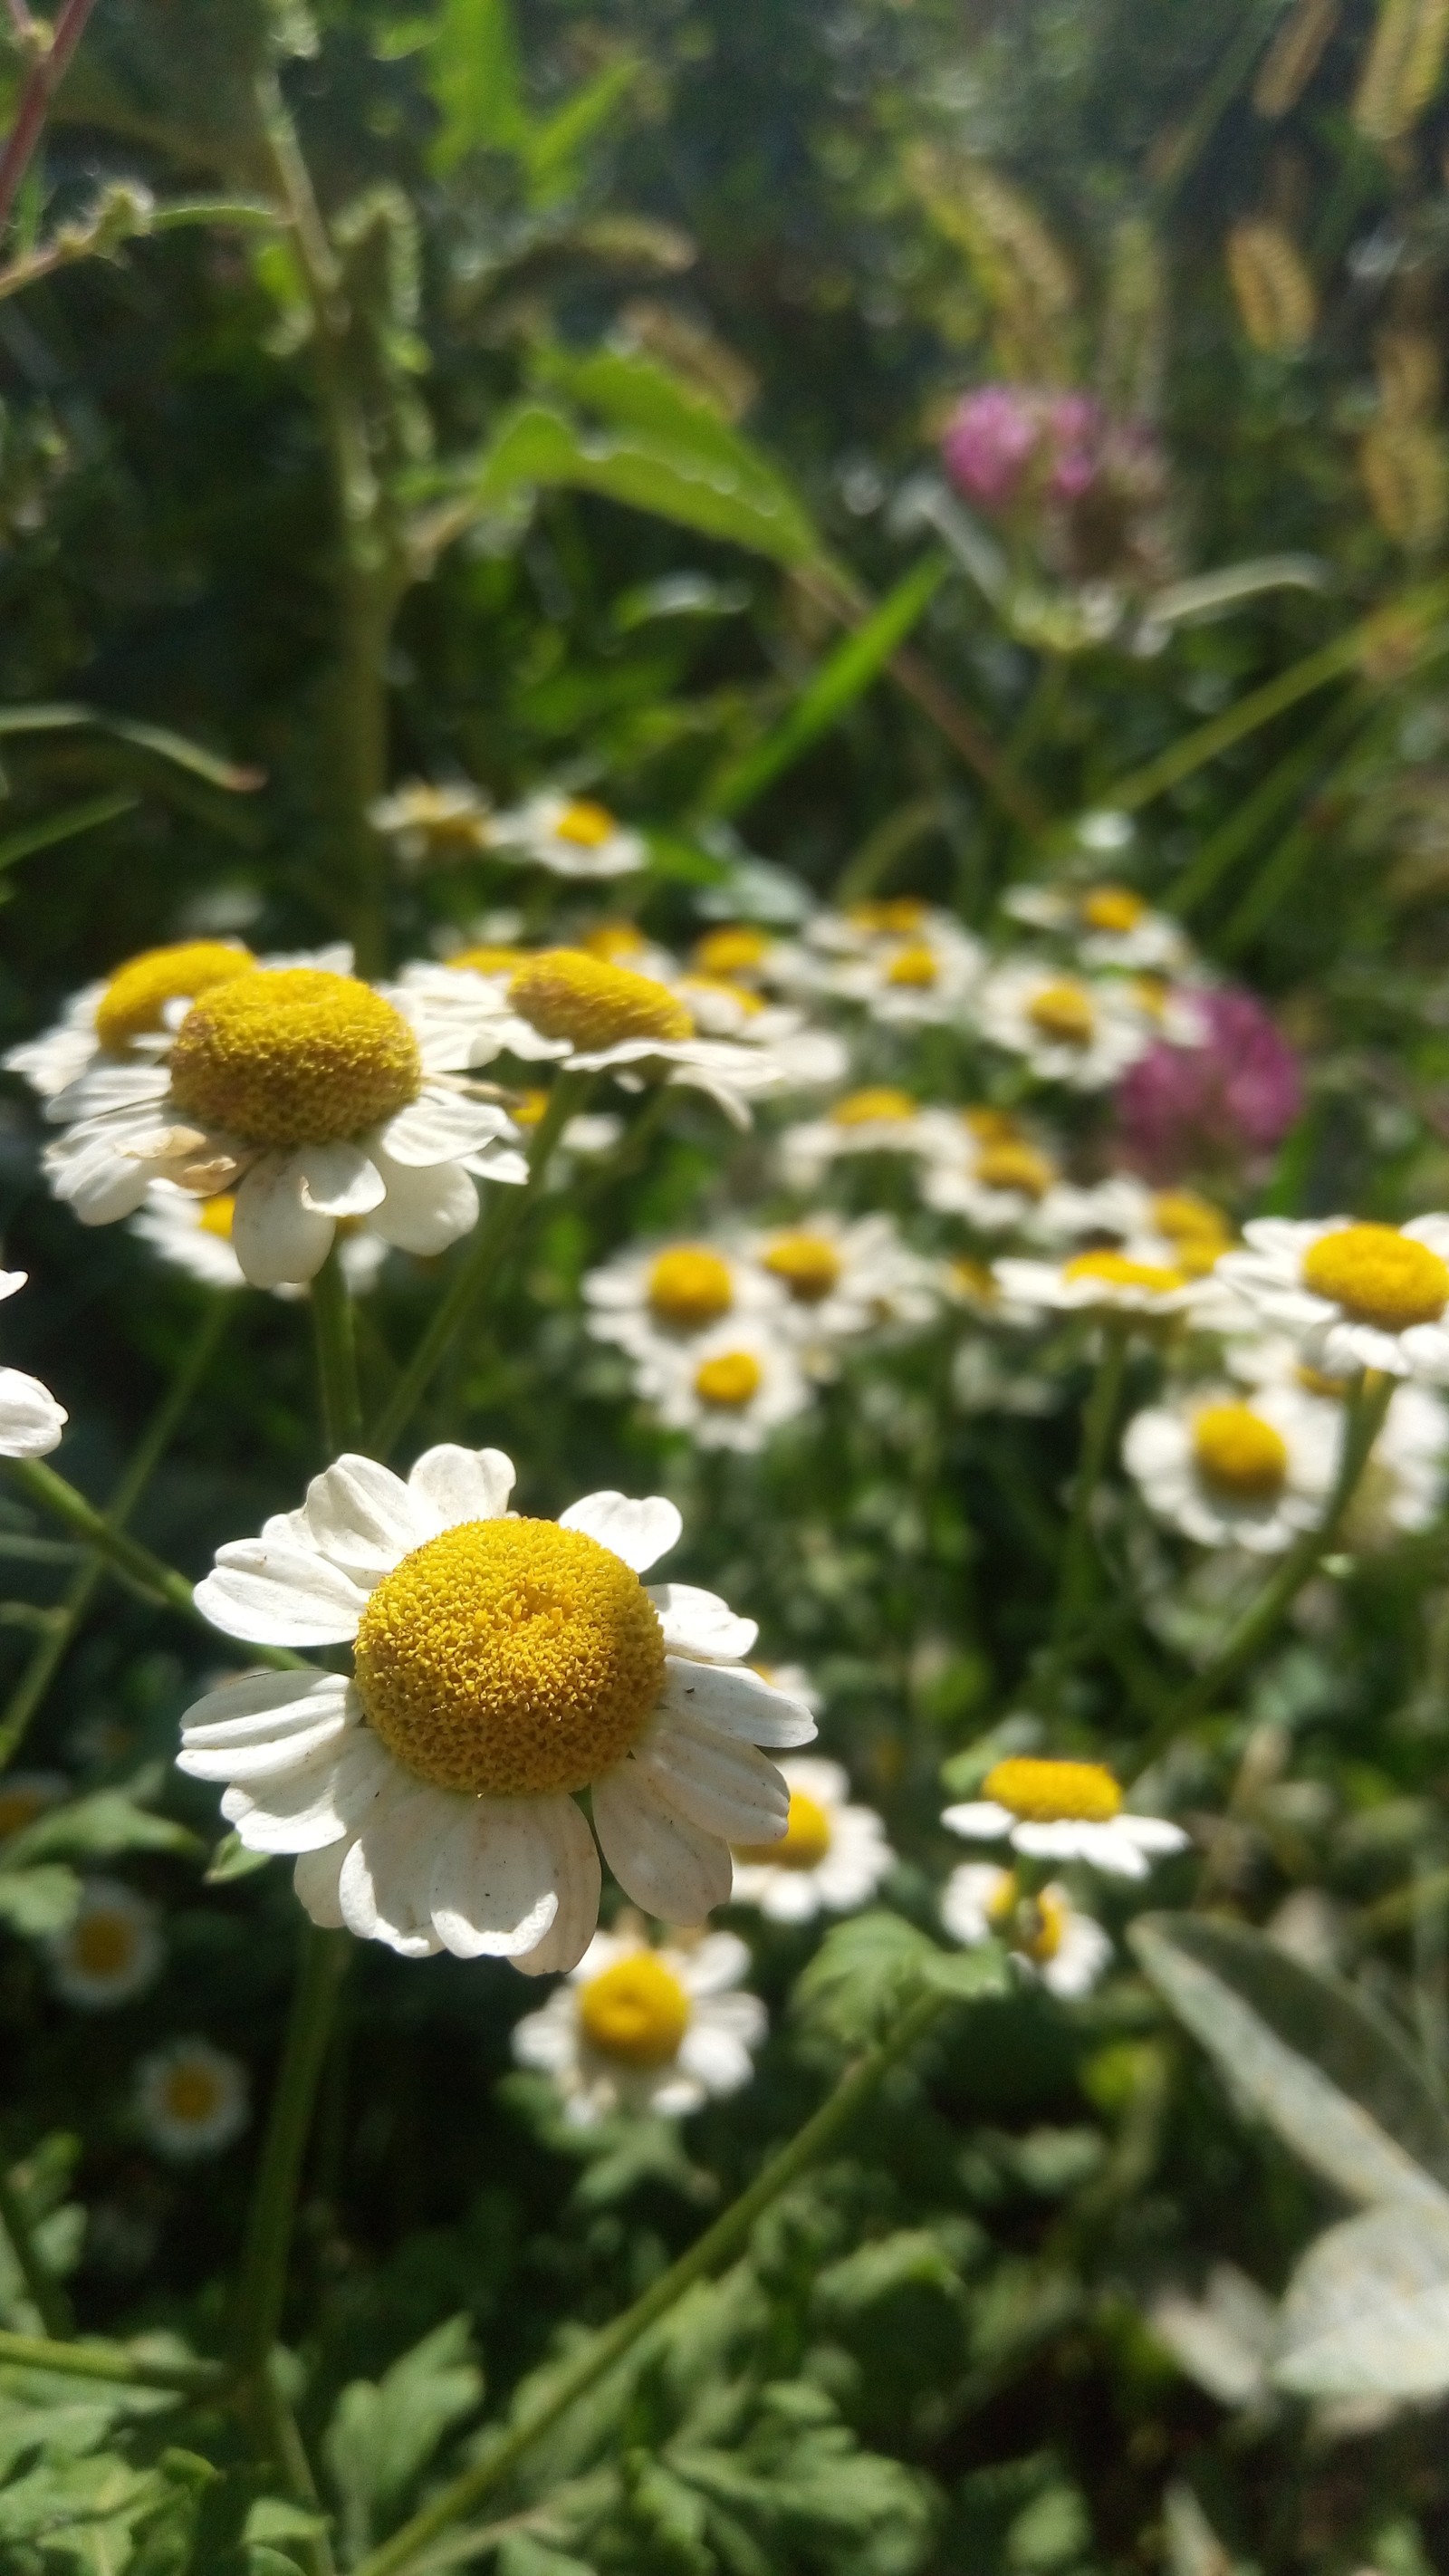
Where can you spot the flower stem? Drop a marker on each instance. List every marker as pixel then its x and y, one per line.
pixel 719 2243
pixel 268 2243
pixel 44 1663
pixel 46 2294
pixel 492 1237
pixel 336 1357
pixel 112 2363
pixel 1098 1424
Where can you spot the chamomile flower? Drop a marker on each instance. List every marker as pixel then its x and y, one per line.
pixel 1100 1283
pixel 25 1796
pixel 1230 1473
pixel 112 1950
pixel 571 836
pixel 1052 1937
pixel 436 824
pixel 192 2100
pixel 921 978
pixel 307 1096
pixel 669 1295
pixel 1068 1028
pixel 1353 1296
pixel 842 1278
pixel 1108 926
pixel 879 922
pixel 831 1856
pixel 983 1167
pixel 746 955
pixel 194 1235
pixel 1053 1810
pixel 31 1421
pixel 500 1665
pixel 644 2030
pixel 134 1012
pixel 731 1388
pixel 1401 1486
pixel 805 1058
pixel 881 1119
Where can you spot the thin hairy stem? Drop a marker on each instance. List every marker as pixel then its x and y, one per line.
pixel 336 1356
pixel 44 79
pixel 268 2243
pixel 112 2363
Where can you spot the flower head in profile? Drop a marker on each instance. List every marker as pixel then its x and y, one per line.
pixel 1224 1100
pixel 733 1387
pixel 1353 1296
pixel 132 1015
pixel 832 1855
pixel 880 1119
pixel 1106 926
pixel 571 836
pixel 1006 440
pixel 1138 1280
pixel 501 1665
pixel 645 2030
pixel 111 1951
pixel 1056 1810
pixel 1234 1473
pixel 1074 1029
pixel 1051 1936
pixel 192 2100
pixel 31 1421
pixel 433 825
pixel 917 978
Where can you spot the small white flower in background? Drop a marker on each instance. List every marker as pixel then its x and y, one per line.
pixel 1354 1296
pixel 31 1421
pixel 806 1059
pixel 747 956
pixel 439 824
pixel 25 1796
pixel 731 1388
pixel 669 1295
pixel 500 1665
pixel 1108 925
pixel 917 979
pixel 1101 1283
pixel 582 1140
pixel 832 1855
pixel 1056 1810
pixel 194 1235
pixel 133 1014
pixel 192 2100
pixel 572 836
pixel 1402 1486
pixel 982 1166
pixel 644 2030
pixel 111 1952
pixel 1234 1474
pixel 864 929
pixel 1066 1027
pixel 878 1120
pixel 1066 1948
pixel 842 1278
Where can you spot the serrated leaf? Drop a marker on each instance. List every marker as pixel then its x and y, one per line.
pixel 383 2433
pixel 1306 2056
pixel 1367 2311
pixel 36 1902
pixel 537 446
pixel 984 1969
pixel 862 1973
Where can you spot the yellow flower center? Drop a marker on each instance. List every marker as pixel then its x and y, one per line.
pixel 806 1264
pixel 192 2094
pixel 527 1108
pixel 637 2011
pixel 294 1057
pixel 586 825
pixel 1113 908
pixel 103 1944
pixel 973 1278
pixel 20 1805
pixel 896 917
pixel 719 988
pixel 217 1216
pixel 133 1004
pixel 916 967
pixel 1015 1167
pixel 509 1658
pixel 1151 994
pixel 1042 1792
pixel 690 1286
pixel 1039 1937
pixel 1196 1231
pixel 1118 1270
pixel 1318 1382
pixel 733 951
pixel 868 1108
pixel 1063 1012
pixel 488 960
pixel 1238 1454
pixel 992 1126
pixel 731 1379
pixel 1378 1276
pixel 565 993
pixel 614 941
pixel 803 1844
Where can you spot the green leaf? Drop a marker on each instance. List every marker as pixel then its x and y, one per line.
pixel 1366 2314
pixel 107 1821
pixel 231 1859
pixel 475 73
pixel 557 143
pixel 383 2433
pixel 36 1902
pixel 1306 2056
pixel 536 446
pixel 166 745
pixel 64 826
pixel 984 1969
pixel 862 1973
pixel 274 2518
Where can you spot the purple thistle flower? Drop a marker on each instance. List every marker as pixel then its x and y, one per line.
pixel 1225 1102
pixel 990 443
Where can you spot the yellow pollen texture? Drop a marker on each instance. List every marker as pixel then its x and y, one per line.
pixel 916 968
pixel 1239 1454
pixel 509 1658
pixel 134 1002
pixel 192 2093
pixel 1112 907
pixel 690 1286
pixel 805 1264
pixel 103 1944
pixel 1015 1167
pixel 1378 1276
pixel 294 1057
pixel 614 941
pixel 1042 1792
pixel 1063 1012
pixel 730 1379
pixel 566 994
pixel 217 1216
pixel 1118 1270
pixel 731 951
pixel 896 917
pixel 586 825
pixel 636 2012
pixel 1042 1942
pixel 868 1108
pixel 803 1844
pixel 488 960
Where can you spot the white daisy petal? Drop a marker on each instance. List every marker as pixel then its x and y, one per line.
pixel 31 1421
pixel 425 1209
pixel 273 1594
pixel 978 1820
pixel 577 1877
pixel 382 1884
pixel 315 1876
pixel 639 1532
pixel 463 1484
pixel 723 1787
pixel 278 1239
pixel 493 1891
pixel 322 1801
pixel 715 1963
pixel 699 1623
pixel 735 1702
pixel 441 1126
pixel 255 1704
pixel 364 1519
pixel 339 1180
pixel 669 1867
pixel 718 2056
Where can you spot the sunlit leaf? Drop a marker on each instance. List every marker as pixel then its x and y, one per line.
pixel 1367 2311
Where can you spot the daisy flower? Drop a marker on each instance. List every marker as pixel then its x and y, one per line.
pixel 831 1855
pixel 744 954
pixel 571 836
pixel 194 1235
pixel 920 978
pixel 731 1388
pixel 1064 1947
pixel 878 1120
pixel 1109 925
pixel 500 1666
pixel 582 1139
pixel 644 2030
pixel 25 1796
pixel 439 824
pixel 982 1167
pixel 1401 1486
pixel 31 1421
pixel 1234 1474
pixel 1353 1296
pixel 111 1952
pixel 806 1059
pixel 1052 1810
pixel 307 1096
pixel 191 2100
pixel 842 1278
pixel 1066 1028
pixel 670 1294
pixel 1099 1283
pixel 881 921
pixel 134 1012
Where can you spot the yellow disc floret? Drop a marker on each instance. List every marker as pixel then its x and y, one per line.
pixel 1015 1167
pixel 915 968
pixel 614 941
pixel 1238 1454
pixel 528 1108
pixel 894 917
pixel 736 950
pixel 1043 1792
pixel 731 1379
pixel 1112 908
pixel 294 1057
pixel 218 1215
pixel 586 825
pixel 488 959
pixel 103 1943
pixel 509 1658
pixel 636 2012
pixel 807 1265
pixel 873 1107
pixel 1119 1270
pixel 689 1287
pixel 563 993
pixel 1378 1276
pixel 1063 1013
pixel 804 1842
pixel 1198 1234
pixel 1035 1928
pixel 133 1004
pixel 192 2093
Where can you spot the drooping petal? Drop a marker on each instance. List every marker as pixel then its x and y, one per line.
pixel 364 1519
pixel 572 1930
pixel 462 1484
pixel 667 1865
pixel 322 1801
pixel 735 1701
pixel 315 1875
pixel 639 1532
pixel 493 1892
pixel 273 1594
pixel 31 1421
pixel 978 1820
pixel 382 1887
pixel 95 1181
pixel 424 1210
pixel 278 1239
pixel 699 1623
pixel 339 1180
pixel 441 1127
pixel 723 1786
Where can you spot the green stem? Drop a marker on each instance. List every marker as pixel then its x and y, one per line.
pixel 492 1237
pixel 289 2451
pixel 336 1357
pixel 719 2243
pixel 1217 854
pixel 111 2363
pixel 44 1663
pixel 46 2294
pixel 271 2219
pixel 1103 1403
